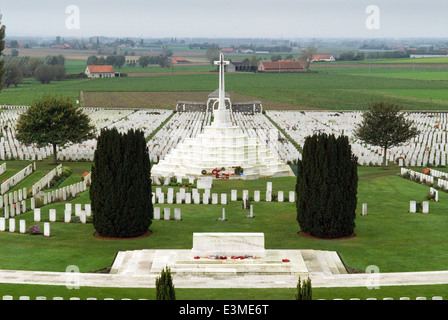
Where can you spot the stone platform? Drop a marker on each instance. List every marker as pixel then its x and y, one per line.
pixel 277 263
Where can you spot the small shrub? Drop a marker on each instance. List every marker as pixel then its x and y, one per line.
pixel 66 171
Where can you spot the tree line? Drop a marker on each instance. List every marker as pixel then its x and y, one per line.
pixel 44 70
pixel 120 60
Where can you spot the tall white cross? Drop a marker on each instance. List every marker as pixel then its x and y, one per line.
pixel 222 93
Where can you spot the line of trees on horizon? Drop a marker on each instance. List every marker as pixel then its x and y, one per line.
pixel 44 70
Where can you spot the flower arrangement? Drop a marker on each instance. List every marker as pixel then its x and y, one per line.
pixel 239 170
pixel 34 229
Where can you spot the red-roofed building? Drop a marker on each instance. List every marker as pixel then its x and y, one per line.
pixel 281 66
pixel 100 71
pixel 322 57
pixel 227 50
pixel 177 60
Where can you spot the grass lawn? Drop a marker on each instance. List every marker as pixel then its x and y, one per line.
pixel 389 236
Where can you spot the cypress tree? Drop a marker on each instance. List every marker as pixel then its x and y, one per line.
pixel 120 192
pixel 326 187
pixel 164 286
pixel 304 290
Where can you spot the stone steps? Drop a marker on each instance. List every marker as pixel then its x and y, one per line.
pixel 132 262
pixel 322 261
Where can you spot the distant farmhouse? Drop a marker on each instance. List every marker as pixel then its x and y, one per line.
pixel 106 71
pixel 281 66
pixel 323 58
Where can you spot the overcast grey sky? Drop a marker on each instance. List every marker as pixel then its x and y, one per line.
pixel 231 18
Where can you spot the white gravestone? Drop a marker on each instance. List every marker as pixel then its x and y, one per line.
pixel 188 198
pixel 170 197
pixel 268 196
pixel 52 215
pixel 251 215
pixel 234 195
pixel 197 198
pixel 425 207
pixel 214 198
pixel 37 214
pixel 280 196
pixel 178 198
pixel 2 224
pixel 292 196
pixel 88 209
pixel 257 195
pixel 412 206
pixel 228 244
pixel 364 209
pixel 177 216
pixel 223 198
pixel 67 216
pixel 12 225
pixel 22 226
pixel 47 229
pixel 205 183
pixel 166 213
pixel 434 193
pixel 156 213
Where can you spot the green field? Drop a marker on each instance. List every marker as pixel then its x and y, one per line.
pixel 389 236
pixel 331 91
pixel 79 66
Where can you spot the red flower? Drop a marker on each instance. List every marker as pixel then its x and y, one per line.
pixel 285 260
pixel 197 257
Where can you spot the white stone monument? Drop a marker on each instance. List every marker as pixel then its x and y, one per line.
pixel 221 145
pixel 228 244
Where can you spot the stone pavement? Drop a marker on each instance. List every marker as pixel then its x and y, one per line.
pixel 243 281
pixel 132 270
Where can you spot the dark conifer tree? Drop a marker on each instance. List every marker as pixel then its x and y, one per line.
pixel 326 188
pixel 120 192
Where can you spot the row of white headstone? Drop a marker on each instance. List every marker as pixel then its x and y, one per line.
pixel 195 196
pixel 15 179
pixel 258 126
pixel 175 131
pixel 166 214
pixel 123 120
pixel 427 148
pixel 13 197
pixel 79 212
pixel 45 180
pixel 413 207
pixel 16 208
pixel 22 226
pixel 62 193
pixel 424 178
